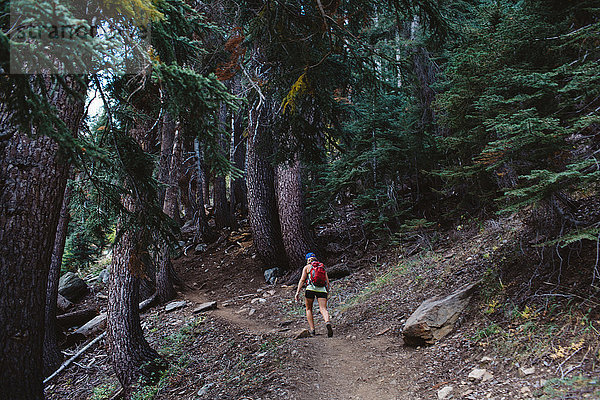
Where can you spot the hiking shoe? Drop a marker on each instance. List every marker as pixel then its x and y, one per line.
pixel 329 330
pixel 312 333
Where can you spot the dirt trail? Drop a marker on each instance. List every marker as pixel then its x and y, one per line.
pixel 337 368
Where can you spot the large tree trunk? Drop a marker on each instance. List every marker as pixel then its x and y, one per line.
pixel 52 355
pixel 297 238
pixel 262 206
pixel 32 184
pixel 130 354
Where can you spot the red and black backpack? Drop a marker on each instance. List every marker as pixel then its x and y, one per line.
pixel 317 274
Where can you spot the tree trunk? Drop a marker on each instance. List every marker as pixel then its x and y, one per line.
pixel 221 205
pixel 262 206
pixel 203 231
pixel 297 238
pixel 164 273
pixel 237 150
pixel 222 215
pixel 52 355
pixel 32 184
pixel 131 356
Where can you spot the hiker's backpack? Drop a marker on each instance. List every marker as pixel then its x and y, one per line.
pixel 317 275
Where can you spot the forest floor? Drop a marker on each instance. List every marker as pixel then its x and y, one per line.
pixel 535 331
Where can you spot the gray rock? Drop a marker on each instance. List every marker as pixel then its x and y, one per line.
pixel 62 303
pixel 338 271
pixel 175 305
pixel 72 287
pixel 103 276
pixel 435 317
pixel 523 372
pixel 201 247
pixel 480 374
pixel 205 389
pixel 271 275
pixel 211 305
pixel 444 392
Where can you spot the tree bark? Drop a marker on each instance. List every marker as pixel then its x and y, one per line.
pixel 262 205
pixel 33 176
pixel 53 357
pixel 297 237
pixel 164 272
pixel 203 231
pixel 237 150
pixel 222 215
pixel 131 356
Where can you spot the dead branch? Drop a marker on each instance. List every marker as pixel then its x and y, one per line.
pixel 70 360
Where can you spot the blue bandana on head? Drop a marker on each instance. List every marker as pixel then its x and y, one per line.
pixel 309 255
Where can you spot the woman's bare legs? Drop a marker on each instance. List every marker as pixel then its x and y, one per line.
pixel 323 308
pixel 309 313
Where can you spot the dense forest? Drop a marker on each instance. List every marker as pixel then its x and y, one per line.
pixel 389 119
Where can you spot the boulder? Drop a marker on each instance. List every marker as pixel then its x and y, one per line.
pixel 62 303
pixel 72 287
pixel 338 271
pixel 435 317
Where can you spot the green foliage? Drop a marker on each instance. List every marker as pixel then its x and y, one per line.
pixel 520 92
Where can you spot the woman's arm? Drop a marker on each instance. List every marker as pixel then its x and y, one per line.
pixel 301 283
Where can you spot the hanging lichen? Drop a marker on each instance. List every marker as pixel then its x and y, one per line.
pixel 300 87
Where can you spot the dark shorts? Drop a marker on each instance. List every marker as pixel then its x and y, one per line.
pixel 310 294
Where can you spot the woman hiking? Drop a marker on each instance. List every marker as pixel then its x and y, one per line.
pixel 318 286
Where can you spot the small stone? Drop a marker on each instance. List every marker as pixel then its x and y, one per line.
pixel 258 300
pixel 175 305
pixel 525 391
pixel 444 392
pixel 523 372
pixel 304 333
pixel 251 312
pixel 486 360
pixel 294 353
pixel 205 389
pixel 201 248
pixel 480 374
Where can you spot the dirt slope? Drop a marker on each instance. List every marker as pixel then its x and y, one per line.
pixel 245 349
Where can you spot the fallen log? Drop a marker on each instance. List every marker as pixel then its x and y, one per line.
pixel 76 318
pixel 148 302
